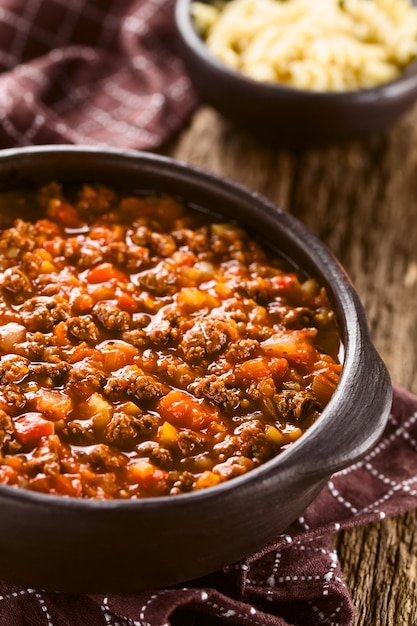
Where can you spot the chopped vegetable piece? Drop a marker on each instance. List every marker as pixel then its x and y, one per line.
pixel 31 427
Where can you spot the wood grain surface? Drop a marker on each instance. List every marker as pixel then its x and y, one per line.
pixel 361 200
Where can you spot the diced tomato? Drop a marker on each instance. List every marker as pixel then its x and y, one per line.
pixel 83 352
pixel 115 232
pixel 60 333
pixel 83 303
pixel 64 213
pixel 53 403
pixel 146 474
pixel 105 272
pixel 67 485
pixel 278 368
pixel 102 291
pixel 127 303
pixel 254 369
pixel 31 427
pixel 180 409
pixel 117 354
pixel 285 282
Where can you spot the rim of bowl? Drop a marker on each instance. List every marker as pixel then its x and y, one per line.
pixel 355 337
pixel 405 82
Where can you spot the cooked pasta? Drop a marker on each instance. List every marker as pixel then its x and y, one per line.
pixel 320 45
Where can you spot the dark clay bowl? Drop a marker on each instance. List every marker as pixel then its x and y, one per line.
pixel 290 116
pixel 76 545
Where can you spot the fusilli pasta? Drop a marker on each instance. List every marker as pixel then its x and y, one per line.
pixel 321 45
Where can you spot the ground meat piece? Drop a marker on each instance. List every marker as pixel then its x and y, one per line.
pixel 190 442
pixel 120 431
pixel 13 368
pixel 15 240
pixel 179 373
pixel 157 454
pixel 111 317
pixel 141 235
pixel 132 381
pixel 241 350
pixel 162 244
pixel 54 371
pixel 42 312
pixel 256 288
pixel 137 337
pixel 215 389
pixel 103 458
pixel 297 406
pixel 6 429
pixel 95 200
pixel 47 285
pixel 16 284
pixel 253 442
pixel 88 373
pixel 12 397
pixel 182 482
pixel 117 252
pixel 204 338
pixel 89 255
pixel 123 429
pixel 295 318
pixel 197 241
pixel 259 332
pixel 83 329
pixel 160 280
pixel 226 448
pixel 78 434
pixel 133 258
pixel 163 332
pixel 46 458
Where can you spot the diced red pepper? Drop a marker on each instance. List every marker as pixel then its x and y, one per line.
pixel 284 282
pixel 31 427
pixel 180 409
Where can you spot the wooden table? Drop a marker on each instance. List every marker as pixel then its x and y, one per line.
pixel 361 199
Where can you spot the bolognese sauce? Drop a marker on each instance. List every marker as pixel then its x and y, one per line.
pixel 148 348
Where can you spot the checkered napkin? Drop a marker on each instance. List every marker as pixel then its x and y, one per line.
pixel 294 581
pixel 100 72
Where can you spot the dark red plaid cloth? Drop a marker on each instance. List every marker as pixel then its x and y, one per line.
pixel 99 72
pixel 294 581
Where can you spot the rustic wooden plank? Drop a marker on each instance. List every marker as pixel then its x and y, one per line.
pixel 361 199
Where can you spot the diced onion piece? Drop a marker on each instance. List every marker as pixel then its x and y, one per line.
pixel 53 403
pixel 98 410
pixel 10 334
